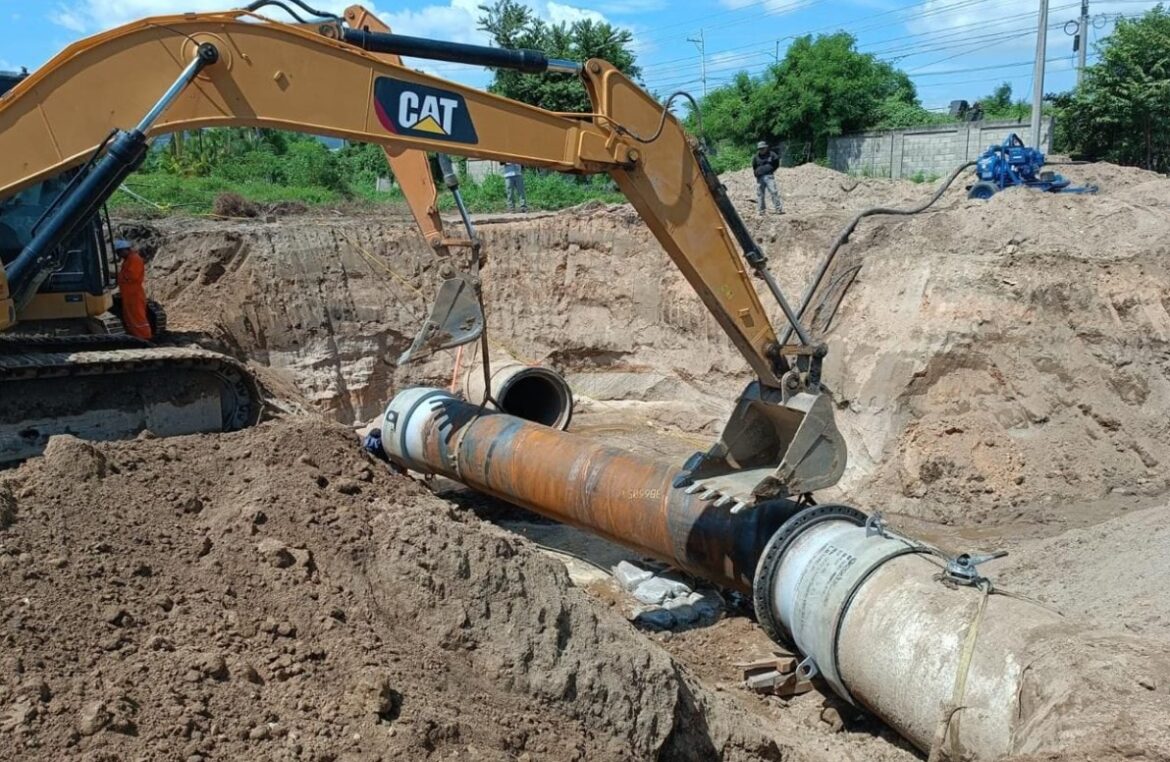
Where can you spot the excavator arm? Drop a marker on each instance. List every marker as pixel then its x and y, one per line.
pixel 456 317
pixel 328 78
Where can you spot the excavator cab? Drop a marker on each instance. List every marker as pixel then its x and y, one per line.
pixel 77 294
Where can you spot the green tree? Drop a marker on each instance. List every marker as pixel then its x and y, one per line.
pixel 999 105
pixel 823 87
pixel 1121 112
pixel 513 25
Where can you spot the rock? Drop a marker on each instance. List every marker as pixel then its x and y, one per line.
pixel 93 718
pixel 657 589
pixel 302 557
pixel 249 673
pixel 74 459
pixel 259 733
pixel 214 666
pixel 658 619
pixel 832 717
pixel 36 689
pixel 630 576
pixel 373 695
pixel 276 553
pixel 117 616
pixel 286 630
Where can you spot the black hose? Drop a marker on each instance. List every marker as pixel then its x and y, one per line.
pixel 843 238
pixel 266 3
pixel 258 4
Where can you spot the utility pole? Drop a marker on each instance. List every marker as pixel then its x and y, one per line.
pixel 1082 42
pixel 702 46
pixel 1038 75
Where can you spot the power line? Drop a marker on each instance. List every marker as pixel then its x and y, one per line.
pixel 964 43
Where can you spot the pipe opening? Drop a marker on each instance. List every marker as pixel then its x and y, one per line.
pixel 537 395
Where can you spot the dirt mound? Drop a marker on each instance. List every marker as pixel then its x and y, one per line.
pixel 996 353
pixel 1080 571
pixel 276 594
pixel 233 205
pixel 985 355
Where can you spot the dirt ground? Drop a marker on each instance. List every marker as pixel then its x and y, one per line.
pixel 1000 370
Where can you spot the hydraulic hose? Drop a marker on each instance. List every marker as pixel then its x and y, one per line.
pixel 843 237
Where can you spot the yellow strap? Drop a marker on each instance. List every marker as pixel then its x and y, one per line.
pixel 949 722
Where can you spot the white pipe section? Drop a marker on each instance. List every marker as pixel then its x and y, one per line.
pixel 871 611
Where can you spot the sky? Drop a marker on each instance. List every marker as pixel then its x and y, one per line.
pixel 952 49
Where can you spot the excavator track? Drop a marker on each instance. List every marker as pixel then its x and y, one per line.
pixel 115 387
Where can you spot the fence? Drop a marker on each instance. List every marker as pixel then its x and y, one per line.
pixel 929 150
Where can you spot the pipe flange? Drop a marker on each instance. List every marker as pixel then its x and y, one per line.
pixel 769 562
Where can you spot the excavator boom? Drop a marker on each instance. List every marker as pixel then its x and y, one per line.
pixel 331 79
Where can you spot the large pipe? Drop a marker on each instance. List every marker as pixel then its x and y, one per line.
pixel 532 392
pixel 891 624
pixel 894 626
pixel 610 492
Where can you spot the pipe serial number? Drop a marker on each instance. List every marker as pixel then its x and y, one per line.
pixel 642 494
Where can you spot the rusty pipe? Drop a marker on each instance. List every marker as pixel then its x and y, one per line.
pixel 889 622
pixel 625 498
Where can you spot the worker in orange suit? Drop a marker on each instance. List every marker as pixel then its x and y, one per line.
pixel 132 286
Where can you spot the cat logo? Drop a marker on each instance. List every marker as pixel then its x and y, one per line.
pixel 405 108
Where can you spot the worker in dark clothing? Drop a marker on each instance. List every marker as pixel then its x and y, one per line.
pixel 132 289
pixel 372 443
pixel 764 165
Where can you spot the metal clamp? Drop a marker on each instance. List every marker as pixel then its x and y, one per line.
pixel 875 525
pixel 963 568
pixel 807 669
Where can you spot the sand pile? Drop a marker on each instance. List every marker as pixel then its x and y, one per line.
pixel 275 594
pixel 985 356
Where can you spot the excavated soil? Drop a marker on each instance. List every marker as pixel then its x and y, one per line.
pixel 1001 372
pixel 276 594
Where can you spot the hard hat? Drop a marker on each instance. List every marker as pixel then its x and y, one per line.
pixel 762 144
pixel 121 244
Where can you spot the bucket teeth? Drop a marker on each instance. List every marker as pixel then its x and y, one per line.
pixel 723 492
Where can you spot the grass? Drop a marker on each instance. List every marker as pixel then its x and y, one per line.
pixel 924 177
pixel 172 193
pixel 196 195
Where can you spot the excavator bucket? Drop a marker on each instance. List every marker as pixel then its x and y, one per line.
pixel 771 447
pixel 456 318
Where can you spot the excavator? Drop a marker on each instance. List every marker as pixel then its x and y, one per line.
pixel 341 76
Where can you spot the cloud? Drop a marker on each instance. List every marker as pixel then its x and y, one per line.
pixel 568 14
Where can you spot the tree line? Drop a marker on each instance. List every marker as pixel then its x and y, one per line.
pixel 823 87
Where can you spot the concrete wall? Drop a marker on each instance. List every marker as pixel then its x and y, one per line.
pixel 478 169
pixel 931 150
